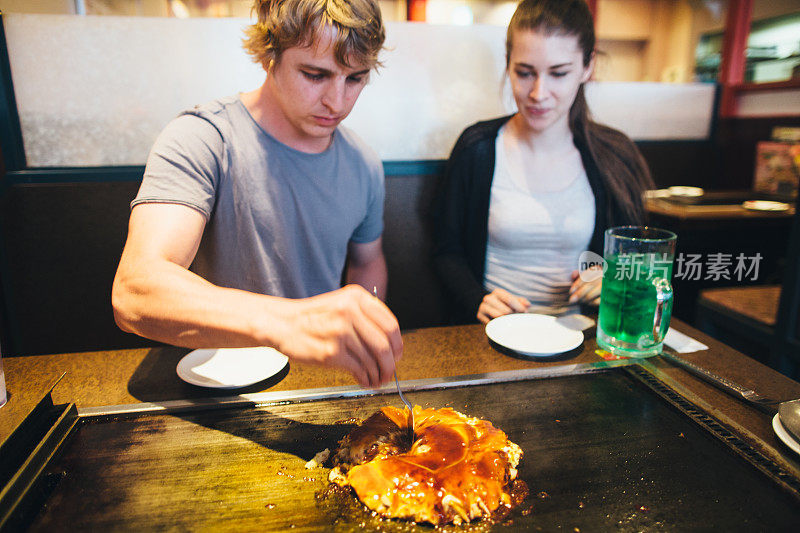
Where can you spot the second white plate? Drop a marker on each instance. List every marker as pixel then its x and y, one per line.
pixel 784 435
pixel 533 335
pixel 230 368
pixel 765 205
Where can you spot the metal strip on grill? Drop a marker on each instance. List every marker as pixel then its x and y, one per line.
pixel 264 399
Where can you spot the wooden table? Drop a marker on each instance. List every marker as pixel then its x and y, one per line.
pixel 148 375
pixel 721 229
pixel 659 207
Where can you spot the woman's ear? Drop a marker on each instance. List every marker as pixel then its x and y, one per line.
pixel 588 71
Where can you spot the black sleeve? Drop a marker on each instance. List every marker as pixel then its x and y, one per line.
pixel 451 233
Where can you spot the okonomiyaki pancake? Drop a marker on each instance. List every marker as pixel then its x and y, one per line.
pixel 457 470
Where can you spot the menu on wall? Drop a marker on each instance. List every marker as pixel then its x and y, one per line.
pixel 778 163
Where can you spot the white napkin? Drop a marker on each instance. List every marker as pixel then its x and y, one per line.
pixel 682 343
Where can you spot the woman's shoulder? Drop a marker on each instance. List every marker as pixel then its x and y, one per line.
pixel 623 169
pixel 608 135
pixel 614 144
pixel 480 132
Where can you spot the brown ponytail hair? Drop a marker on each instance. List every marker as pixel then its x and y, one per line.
pixel 621 165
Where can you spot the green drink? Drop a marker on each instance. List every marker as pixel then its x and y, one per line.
pixel 636 298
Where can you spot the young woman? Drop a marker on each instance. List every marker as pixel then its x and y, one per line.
pixel 523 196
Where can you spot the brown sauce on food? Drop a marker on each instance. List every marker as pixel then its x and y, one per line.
pixel 459 469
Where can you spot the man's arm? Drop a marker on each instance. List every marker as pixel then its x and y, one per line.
pixel 155 295
pixel 367 266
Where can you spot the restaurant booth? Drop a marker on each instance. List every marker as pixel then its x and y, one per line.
pixel 100 432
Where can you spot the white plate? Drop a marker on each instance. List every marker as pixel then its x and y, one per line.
pixel 230 368
pixel 784 435
pixel 765 205
pixel 687 192
pixel 533 335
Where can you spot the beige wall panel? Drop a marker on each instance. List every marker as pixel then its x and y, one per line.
pixel 624 19
pixel 619 61
pixel 679 65
pixel 64 7
pixel 658 43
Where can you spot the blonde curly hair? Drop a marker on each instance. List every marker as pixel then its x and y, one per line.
pixel 283 24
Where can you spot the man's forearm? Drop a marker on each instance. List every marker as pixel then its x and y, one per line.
pixel 173 305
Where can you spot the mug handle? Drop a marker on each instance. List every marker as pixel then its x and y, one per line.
pixel 663 297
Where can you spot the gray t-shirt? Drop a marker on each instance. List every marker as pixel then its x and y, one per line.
pixel 278 220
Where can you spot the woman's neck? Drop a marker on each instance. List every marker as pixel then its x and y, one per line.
pixel 555 139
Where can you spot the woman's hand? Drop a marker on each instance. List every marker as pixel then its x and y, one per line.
pixel 500 302
pixel 585 292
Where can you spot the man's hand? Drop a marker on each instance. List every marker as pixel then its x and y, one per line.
pixel 348 328
pixel 500 302
pixel 585 292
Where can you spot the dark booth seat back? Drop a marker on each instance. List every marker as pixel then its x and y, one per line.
pixel 62 243
pixel 414 291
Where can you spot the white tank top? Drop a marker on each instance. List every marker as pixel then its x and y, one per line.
pixel 535 237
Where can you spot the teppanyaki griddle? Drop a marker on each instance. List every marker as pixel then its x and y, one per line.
pixel 605 449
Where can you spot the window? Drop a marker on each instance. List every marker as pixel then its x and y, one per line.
pixel 773 49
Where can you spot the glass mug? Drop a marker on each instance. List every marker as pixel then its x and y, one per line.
pixel 636 297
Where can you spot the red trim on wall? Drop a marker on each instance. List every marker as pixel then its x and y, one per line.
pixel 734 44
pixel 593 7
pixel 734 47
pixel 763 117
pixel 415 10
pixel 767 86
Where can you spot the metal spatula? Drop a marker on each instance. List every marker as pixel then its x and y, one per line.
pixel 410 409
pixel 397 383
pixel 788 411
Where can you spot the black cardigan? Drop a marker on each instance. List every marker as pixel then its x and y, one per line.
pixel 461 215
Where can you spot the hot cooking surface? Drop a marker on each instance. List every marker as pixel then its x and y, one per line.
pixel 602 451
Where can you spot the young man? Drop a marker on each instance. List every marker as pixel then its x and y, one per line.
pixel 250 204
